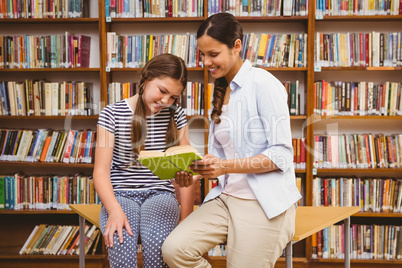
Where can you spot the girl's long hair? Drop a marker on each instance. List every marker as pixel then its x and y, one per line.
pixel 161 66
pixel 226 29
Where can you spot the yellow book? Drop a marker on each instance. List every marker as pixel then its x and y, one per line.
pixel 174 159
pixel 261 49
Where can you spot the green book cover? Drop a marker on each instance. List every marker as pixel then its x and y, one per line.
pixel 2 194
pixel 166 164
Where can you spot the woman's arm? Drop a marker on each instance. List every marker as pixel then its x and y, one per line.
pixel 213 167
pixel 103 159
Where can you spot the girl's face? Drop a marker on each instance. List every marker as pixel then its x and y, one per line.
pixel 160 93
pixel 221 60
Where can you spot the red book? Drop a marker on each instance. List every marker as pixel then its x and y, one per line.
pixel 367 150
pixel 325 193
pixel 92 148
pixel 69 145
pixel 303 153
pixel 84 48
pixel 367 49
pixel 319 244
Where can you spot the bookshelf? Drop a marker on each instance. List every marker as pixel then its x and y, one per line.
pixel 19 223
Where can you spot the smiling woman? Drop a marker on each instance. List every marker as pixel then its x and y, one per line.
pixel 250 152
pixel 130 193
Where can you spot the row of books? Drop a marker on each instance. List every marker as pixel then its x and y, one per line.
pixel 44 9
pixel 134 51
pixel 380 242
pixel 38 97
pixel 60 240
pixel 358 49
pixel 45 145
pixel 50 51
pixel 19 192
pixel 299 153
pixel 358 7
pixel 191 99
pixel 259 7
pixel 275 50
pixel 218 250
pixel 357 98
pixel 294 102
pixel 358 151
pixel 154 8
pixel 371 194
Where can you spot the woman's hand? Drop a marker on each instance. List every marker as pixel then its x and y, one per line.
pixel 209 167
pixel 116 222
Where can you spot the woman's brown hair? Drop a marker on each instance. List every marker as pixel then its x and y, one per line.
pixel 161 66
pixel 226 29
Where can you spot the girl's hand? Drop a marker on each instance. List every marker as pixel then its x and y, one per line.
pixel 184 178
pixel 116 222
pixel 209 167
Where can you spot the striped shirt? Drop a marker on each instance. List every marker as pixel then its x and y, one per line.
pixel 116 118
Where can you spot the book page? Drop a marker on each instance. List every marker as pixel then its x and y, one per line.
pixel 181 149
pixel 146 154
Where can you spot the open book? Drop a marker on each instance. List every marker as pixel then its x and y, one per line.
pixel 166 164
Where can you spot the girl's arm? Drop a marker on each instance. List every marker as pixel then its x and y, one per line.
pixel 186 193
pixel 101 175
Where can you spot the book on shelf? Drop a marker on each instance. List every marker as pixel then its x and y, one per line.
pixel 357 49
pixel 378 242
pixel 174 159
pixel 58 240
pixel 365 151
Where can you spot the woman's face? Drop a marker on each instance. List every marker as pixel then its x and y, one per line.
pixel 218 57
pixel 160 93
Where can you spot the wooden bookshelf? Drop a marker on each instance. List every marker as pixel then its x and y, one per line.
pixel 22 221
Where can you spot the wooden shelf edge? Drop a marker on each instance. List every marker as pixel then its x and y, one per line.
pixel 36 211
pixel 361 68
pixel 47 117
pixel 271 18
pixel 190 69
pixel 365 117
pixel 362 18
pixel 359 261
pixel 157 20
pixel 352 170
pixel 49 257
pixel 45 164
pixel 8 70
pixel 379 214
pixel 51 20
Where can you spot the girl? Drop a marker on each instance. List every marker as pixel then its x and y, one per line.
pixel 134 201
pixel 250 152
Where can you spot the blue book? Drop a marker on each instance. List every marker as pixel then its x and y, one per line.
pixel 55 198
pixel 7 192
pixel 2 194
pixel 12 192
pixel 73 146
pixel 107 13
pixel 126 7
pixel 129 51
pixel 244 46
pixel 271 49
pixel 87 145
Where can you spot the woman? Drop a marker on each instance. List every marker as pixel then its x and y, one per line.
pixel 250 152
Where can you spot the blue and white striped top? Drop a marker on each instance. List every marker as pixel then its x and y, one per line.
pixel 116 118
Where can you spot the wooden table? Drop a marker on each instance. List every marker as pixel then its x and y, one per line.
pixel 310 220
pixel 91 214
